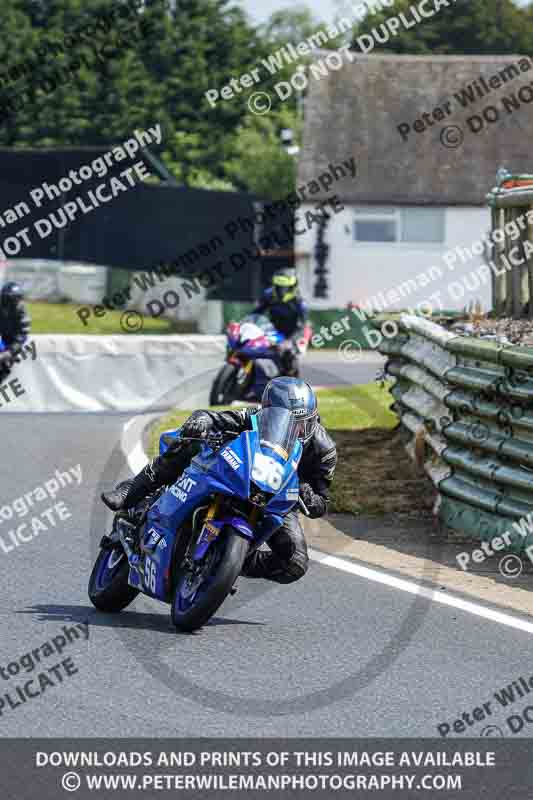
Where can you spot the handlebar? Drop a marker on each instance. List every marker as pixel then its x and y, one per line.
pixel 303 507
pixel 214 438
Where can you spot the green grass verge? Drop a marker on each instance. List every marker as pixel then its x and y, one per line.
pixel 355 408
pixel 344 412
pixel 62 318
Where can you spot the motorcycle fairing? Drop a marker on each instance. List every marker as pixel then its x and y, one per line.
pixel 227 471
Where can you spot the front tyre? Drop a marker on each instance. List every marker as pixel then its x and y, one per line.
pixel 225 387
pixel 109 589
pixel 202 588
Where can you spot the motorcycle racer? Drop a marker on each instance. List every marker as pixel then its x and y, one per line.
pixel 14 326
pixel 287 560
pixel 287 312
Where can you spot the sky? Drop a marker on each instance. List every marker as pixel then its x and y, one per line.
pixel 260 10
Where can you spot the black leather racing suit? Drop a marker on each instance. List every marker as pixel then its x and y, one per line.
pixel 287 560
pixel 288 318
pixel 14 330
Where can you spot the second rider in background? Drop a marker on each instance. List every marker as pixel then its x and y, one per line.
pixel 282 302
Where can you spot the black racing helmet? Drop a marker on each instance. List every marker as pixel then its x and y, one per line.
pixel 297 397
pixel 11 293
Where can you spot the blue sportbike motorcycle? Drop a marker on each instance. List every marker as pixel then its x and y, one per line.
pixel 186 544
pixel 253 359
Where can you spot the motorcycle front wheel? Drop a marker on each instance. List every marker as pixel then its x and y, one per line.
pixel 225 387
pixel 202 588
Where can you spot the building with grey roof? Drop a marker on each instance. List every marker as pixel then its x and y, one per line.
pixel 428 134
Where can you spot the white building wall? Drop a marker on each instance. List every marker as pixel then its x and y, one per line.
pixel 360 271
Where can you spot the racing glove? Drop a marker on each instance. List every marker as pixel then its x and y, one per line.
pixel 315 503
pixel 197 426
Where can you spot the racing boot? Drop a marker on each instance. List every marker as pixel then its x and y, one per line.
pixel 128 493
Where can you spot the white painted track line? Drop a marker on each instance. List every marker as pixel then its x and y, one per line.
pixel 137 458
pixel 434 595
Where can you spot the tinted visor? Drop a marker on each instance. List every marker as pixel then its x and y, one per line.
pixel 278 429
pixel 284 280
pixel 305 426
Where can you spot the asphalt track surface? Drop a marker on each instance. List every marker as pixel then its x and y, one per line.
pixel 335 654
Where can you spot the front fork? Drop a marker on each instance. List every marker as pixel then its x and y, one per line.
pixel 126 531
pixel 244 369
pixel 247 370
pixel 214 524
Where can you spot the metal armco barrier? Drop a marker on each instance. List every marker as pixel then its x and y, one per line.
pixel 467 405
pixel 511 251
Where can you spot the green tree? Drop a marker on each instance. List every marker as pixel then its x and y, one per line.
pixel 184 157
pixel 289 25
pixel 159 76
pixel 154 66
pixel 211 43
pixel 259 163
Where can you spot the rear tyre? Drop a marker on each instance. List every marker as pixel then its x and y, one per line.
pixel 225 387
pixel 199 594
pixel 109 589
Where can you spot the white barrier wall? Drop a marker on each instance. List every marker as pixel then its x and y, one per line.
pixel 106 373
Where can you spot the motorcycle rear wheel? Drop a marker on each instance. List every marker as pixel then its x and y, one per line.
pixel 198 595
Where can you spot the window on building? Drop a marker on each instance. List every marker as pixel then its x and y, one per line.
pixel 423 225
pixel 410 225
pixel 376 225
